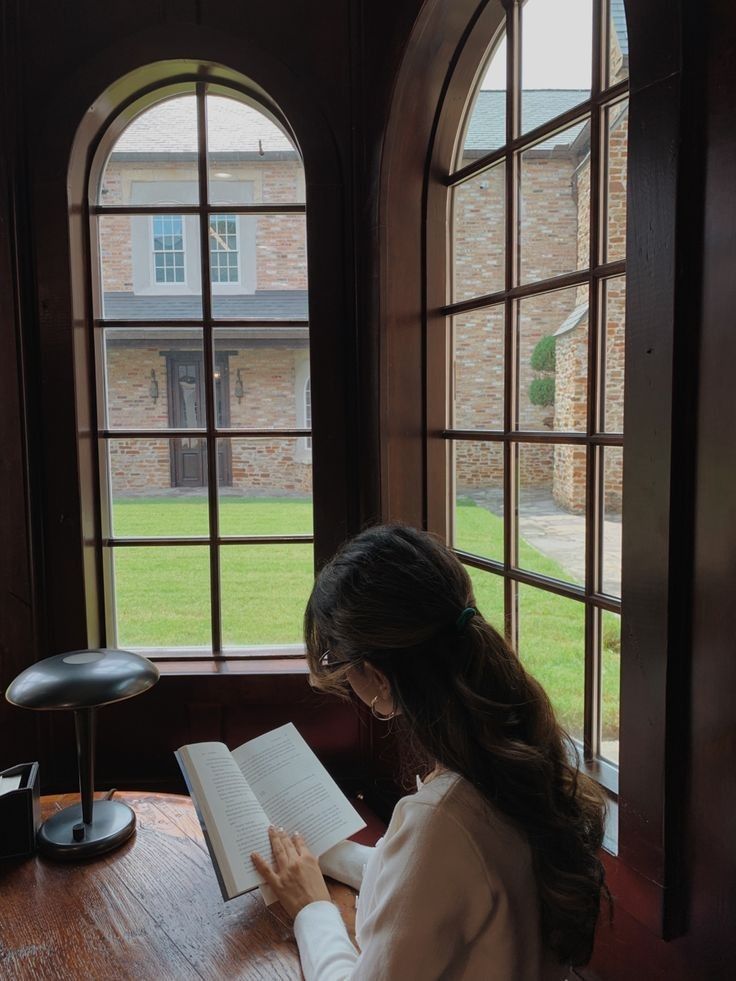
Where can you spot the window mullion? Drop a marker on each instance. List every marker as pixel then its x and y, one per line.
pixel 513 115
pixel 209 361
pixel 594 454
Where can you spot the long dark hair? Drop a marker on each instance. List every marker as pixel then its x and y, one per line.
pixel 392 596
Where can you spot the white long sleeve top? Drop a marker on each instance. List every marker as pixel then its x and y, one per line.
pixel 448 892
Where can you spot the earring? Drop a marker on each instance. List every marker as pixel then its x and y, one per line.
pixel 377 715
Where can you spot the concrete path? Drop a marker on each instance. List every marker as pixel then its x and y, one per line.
pixel 558 534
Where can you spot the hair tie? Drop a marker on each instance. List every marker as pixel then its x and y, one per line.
pixel 462 620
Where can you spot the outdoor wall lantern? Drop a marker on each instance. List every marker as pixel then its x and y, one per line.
pixel 239 389
pixel 153 387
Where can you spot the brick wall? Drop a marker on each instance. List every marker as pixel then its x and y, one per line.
pixel 554 222
pixel 281 261
pixel 265 467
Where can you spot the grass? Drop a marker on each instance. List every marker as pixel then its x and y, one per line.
pixel 163 593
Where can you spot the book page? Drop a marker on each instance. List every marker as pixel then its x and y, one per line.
pixel 295 790
pixel 235 822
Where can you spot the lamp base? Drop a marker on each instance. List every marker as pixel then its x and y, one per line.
pixel 112 824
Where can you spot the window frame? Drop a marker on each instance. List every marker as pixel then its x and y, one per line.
pixel 513 437
pixel 165 286
pixel 201 212
pixel 236 285
pixel 439 71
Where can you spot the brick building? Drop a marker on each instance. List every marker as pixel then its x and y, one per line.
pixel 151 271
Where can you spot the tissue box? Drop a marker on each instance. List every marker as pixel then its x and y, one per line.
pixel 20 812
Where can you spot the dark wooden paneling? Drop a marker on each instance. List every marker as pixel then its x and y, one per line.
pixel 20 620
pixel 702 675
pixel 136 739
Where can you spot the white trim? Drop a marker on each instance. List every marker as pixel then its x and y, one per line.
pixel 302 378
pixel 173 192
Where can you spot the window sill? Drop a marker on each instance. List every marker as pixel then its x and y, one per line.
pixel 233 666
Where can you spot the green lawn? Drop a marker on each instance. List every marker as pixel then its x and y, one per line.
pixel 163 595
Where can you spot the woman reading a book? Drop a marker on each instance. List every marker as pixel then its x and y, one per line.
pixel 490 870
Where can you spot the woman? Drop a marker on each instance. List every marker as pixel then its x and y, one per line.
pixel 490 870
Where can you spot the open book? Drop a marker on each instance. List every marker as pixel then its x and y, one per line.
pixel 272 779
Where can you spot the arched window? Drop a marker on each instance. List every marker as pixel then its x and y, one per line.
pixel 532 440
pixel 200 321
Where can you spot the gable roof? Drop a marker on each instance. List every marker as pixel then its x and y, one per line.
pixel 618 16
pixel 487 128
pixel 170 127
pixel 263 305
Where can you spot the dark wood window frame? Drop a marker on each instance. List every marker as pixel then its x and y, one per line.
pixel 645 875
pixel 441 438
pixel 333 517
pixel 211 433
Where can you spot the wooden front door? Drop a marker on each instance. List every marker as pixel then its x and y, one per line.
pixel 186 392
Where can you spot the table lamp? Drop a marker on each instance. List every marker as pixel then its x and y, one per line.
pixel 83 681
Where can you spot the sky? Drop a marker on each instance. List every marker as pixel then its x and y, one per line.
pixel 556 47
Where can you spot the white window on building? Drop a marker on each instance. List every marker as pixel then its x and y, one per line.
pixel 224 254
pixel 168 248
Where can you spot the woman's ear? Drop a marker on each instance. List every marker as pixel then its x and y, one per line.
pixel 377 679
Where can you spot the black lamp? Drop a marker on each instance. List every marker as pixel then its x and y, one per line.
pixel 83 681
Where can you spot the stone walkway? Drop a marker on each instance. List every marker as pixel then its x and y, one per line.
pixel 558 534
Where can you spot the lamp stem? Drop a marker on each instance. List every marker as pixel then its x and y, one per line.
pixel 84 721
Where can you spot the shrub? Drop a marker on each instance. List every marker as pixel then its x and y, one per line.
pixel 542 391
pixel 543 356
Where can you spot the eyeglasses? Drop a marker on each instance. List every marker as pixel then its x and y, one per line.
pixel 329 660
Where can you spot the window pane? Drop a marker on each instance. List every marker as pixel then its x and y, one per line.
pixel 479 235
pixel 155 160
pixel 486 129
pixel 150 267
pixel 265 486
pixel 614 318
pixel 154 378
pixel 613 458
pixel 265 589
pixel 554 200
pixel 479 499
pixel 162 597
pixel 610 684
pixel 618 43
pixel 260 375
pixel 479 369
pixel 224 249
pixel 552 648
pixel 489 596
pixel 617 135
pixel 556 58
pixel 553 361
pixel 158 487
pixel 168 248
pixel 273 262
pixel 551 487
pixel 251 160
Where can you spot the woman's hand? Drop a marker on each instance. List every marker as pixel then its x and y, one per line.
pixel 295 876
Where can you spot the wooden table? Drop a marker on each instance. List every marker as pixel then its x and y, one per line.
pixel 150 910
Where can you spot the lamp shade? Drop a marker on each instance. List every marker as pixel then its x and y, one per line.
pixel 82 679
